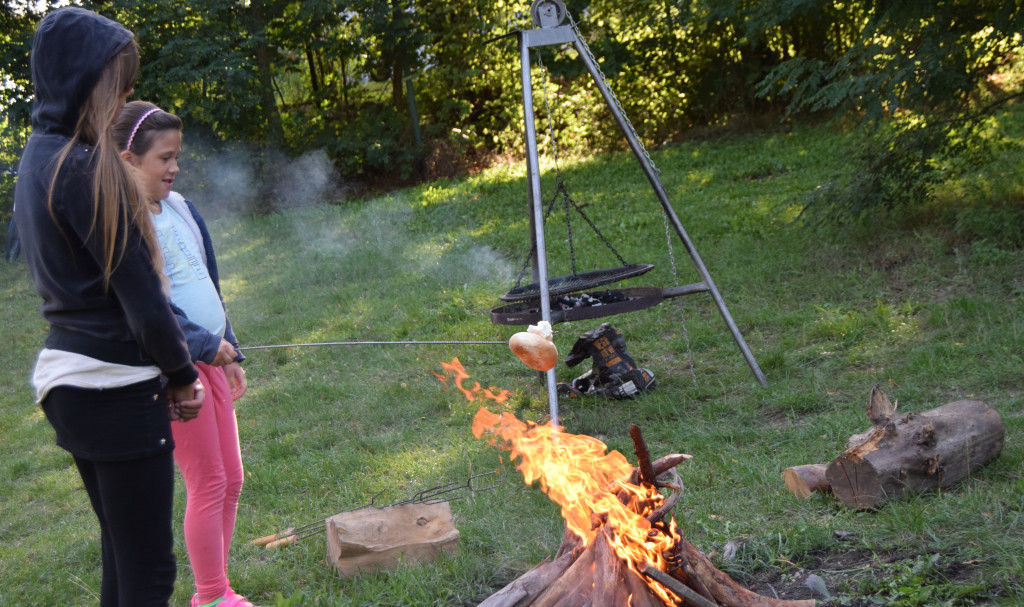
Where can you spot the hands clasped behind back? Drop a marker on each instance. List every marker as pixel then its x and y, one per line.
pixel 184 402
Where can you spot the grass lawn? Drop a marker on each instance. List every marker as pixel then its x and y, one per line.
pixel 930 306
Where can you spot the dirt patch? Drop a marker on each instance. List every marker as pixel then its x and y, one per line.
pixel 860 578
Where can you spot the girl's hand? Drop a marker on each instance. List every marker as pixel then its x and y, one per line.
pixel 225 354
pixel 184 402
pixel 236 379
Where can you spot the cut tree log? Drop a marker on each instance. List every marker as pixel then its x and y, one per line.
pixel 369 539
pixel 806 479
pixel 917 452
pixel 908 453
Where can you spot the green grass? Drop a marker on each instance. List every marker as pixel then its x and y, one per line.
pixel 928 307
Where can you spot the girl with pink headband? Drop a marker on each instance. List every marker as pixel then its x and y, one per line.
pixel 207 449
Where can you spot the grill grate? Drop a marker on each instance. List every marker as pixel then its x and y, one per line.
pixel 577 282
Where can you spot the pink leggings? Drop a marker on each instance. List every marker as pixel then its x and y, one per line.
pixel 206 449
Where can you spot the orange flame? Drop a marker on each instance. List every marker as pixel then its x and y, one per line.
pixel 590 485
pixel 456 370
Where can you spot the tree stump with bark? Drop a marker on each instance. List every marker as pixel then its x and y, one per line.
pixel 906 454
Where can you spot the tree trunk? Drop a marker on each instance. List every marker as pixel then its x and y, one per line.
pixel 397 63
pixel 256 22
pixel 314 82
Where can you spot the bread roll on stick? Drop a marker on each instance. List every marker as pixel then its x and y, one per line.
pixel 534 346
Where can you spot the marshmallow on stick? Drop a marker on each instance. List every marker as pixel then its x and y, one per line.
pixel 534 346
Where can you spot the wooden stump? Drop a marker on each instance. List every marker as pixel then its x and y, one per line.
pixel 366 540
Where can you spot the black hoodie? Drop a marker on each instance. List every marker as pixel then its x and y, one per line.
pixel 130 322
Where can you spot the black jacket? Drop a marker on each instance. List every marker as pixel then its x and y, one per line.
pixel 130 322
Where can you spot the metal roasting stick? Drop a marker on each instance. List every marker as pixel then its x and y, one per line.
pixel 379 343
pixel 289 532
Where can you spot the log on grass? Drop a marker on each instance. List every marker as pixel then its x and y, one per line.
pixel 371 539
pixel 916 452
pixel 806 479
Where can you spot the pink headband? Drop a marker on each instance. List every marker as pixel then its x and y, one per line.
pixel 136 128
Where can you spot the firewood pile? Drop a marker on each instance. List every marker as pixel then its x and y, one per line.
pixel 621 545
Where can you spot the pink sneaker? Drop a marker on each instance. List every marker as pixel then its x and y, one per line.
pixel 234 600
pixel 230 600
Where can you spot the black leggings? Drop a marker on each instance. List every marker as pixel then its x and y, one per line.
pixel 120 439
pixel 133 501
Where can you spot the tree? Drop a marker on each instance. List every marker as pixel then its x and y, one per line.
pixel 17 25
pixel 917 75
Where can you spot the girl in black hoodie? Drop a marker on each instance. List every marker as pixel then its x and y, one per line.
pixel 95 261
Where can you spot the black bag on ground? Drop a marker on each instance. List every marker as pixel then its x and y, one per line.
pixel 614 372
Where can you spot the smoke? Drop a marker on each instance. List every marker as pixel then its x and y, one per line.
pixel 478 263
pixel 380 240
pixel 371 239
pixel 231 179
pixel 306 179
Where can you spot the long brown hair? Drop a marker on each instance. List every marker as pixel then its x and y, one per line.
pixel 117 196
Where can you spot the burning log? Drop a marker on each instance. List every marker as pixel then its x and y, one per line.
pixel 621 545
pixel 910 453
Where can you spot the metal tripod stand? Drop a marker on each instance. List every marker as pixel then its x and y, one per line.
pixel 548 16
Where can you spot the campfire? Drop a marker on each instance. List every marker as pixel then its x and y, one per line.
pixel 621 544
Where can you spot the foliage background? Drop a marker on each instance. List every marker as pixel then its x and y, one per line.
pixel 286 78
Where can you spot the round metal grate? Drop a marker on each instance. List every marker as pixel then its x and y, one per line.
pixel 625 300
pixel 577 282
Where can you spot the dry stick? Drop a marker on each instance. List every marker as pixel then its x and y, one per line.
pixel 661 511
pixel 676 586
pixel 643 456
pixel 266 539
pixel 296 537
pixel 670 461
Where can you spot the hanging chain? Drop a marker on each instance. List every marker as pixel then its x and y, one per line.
pixel 622 112
pixel 529 251
pixel 568 200
pixel 563 192
pixel 547 108
pixel 558 171
pixel 682 308
pixel 650 162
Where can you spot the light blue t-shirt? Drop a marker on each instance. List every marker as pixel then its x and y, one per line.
pixel 192 288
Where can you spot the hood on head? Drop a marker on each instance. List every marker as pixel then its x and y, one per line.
pixel 70 48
